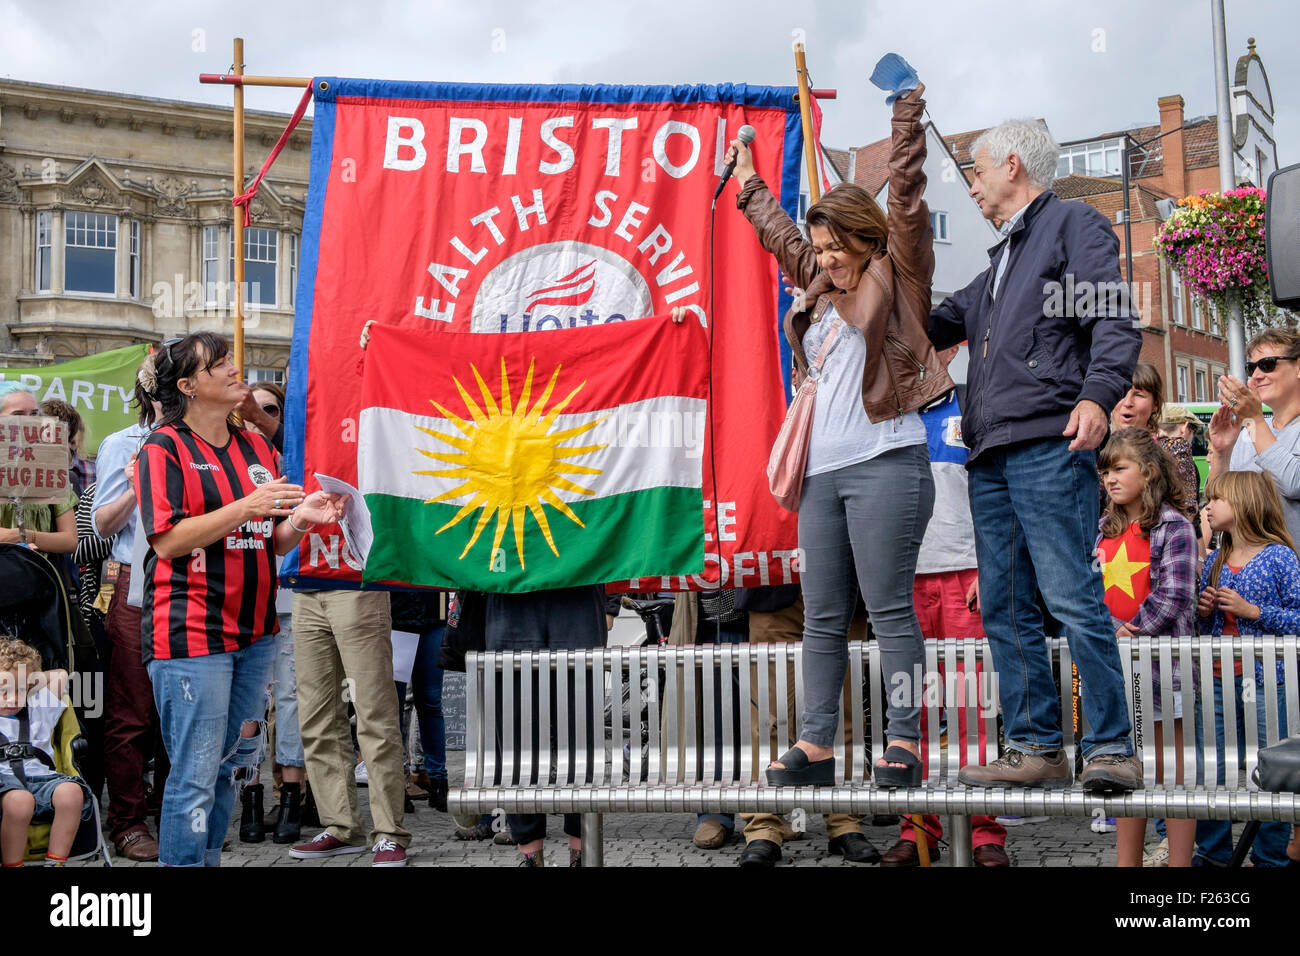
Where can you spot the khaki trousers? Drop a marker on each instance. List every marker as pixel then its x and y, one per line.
pixel 786 627
pixel 343 652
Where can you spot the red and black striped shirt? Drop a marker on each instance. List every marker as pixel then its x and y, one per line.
pixel 220 598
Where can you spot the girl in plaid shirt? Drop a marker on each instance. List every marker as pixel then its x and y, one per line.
pixel 1147 550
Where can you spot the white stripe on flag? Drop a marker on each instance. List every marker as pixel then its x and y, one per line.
pixel 653 443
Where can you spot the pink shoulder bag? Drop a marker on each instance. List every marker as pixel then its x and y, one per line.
pixel 789 457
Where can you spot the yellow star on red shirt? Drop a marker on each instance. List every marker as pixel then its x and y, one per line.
pixel 1119 571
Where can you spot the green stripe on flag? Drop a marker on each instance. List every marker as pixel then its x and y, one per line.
pixel 640 534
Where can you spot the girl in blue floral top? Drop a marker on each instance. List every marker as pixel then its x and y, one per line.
pixel 1250 585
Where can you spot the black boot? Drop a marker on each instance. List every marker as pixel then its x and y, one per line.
pixel 310 816
pixel 288 826
pixel 438 794
pixel 250 819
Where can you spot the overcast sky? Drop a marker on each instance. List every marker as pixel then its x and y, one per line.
pixel 1087 67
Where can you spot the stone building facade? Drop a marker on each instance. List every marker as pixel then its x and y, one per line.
pixel 116 225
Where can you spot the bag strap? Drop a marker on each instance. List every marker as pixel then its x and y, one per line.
pixel 27 749
pixel 825 350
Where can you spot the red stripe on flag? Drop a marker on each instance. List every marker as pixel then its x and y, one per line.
pixel 615 364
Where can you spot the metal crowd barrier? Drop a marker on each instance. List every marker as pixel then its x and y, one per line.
pixel 649 730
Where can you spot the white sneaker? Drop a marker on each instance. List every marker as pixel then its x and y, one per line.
pixel 363 778
pixel 1157 855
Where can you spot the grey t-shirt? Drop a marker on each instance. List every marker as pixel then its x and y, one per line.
pixel 1281 460
pixel 842 434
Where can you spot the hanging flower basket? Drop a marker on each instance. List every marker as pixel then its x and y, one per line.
pixel 1215 242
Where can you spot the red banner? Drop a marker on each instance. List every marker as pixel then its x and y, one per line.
pixel 507 209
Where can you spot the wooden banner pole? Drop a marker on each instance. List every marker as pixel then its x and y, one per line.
pixel 805 114
pixel 238 219
pixel 231 79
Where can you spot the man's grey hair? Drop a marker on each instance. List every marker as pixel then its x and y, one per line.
pixel 1028 139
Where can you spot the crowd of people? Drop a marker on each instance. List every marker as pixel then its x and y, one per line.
pixel 951 512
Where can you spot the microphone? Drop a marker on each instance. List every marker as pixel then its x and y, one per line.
pixel 746 134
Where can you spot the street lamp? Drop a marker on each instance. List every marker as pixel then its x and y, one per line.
pixel 1124 175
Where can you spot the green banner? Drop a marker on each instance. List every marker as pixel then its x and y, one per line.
pixel 99 387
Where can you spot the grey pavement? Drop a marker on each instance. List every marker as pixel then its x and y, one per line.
pixel 660 840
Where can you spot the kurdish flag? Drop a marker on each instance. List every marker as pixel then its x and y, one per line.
pixel 529 460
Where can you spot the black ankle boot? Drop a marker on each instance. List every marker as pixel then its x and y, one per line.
pixel 438 794
pixel 310 815
pixel 288 825
pixel 250 818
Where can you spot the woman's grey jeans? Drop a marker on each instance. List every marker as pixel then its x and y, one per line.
pixel 870 517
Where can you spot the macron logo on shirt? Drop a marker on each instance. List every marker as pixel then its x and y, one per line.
pixel 203 466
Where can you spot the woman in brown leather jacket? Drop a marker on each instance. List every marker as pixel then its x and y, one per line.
pixel 868 491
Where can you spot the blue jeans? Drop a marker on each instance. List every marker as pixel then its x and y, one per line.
pixel 203 702
pixel 288 736
pixel 427 678
pixel 724 636
pixel 1035 510
pixel 1214 837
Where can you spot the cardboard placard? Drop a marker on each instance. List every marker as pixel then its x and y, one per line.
pixel 33 459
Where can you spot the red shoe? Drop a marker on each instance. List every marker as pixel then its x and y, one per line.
pixel 389 853
pixel 323 845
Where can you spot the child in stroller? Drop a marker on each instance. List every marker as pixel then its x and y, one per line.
pixel 31 708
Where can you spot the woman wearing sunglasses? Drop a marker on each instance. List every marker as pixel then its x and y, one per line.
pixel 1241 435
pixel 216 511
pixel 263 411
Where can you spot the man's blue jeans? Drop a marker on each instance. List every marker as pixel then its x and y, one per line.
pixel 203 702
pixel 1035 510
pixel 288 736
pixel 1214 837
pixel 426 679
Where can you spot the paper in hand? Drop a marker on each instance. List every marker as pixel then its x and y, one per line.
pixel 357 531
pixel 895 76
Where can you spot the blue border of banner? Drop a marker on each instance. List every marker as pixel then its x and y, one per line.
pixel 322 159
pixel 741 94
pixel 295 412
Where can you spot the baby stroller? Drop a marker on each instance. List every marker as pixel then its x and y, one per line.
pixel 34 609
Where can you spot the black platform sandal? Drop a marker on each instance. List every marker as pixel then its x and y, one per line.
pixel 893 777
pixel 797 771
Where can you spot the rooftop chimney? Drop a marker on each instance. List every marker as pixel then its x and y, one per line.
pixel 1175 163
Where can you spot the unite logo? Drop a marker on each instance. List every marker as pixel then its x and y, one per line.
pixel 574 289
pixel 560 285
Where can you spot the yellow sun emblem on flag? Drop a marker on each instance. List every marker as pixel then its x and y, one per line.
pixel 509 460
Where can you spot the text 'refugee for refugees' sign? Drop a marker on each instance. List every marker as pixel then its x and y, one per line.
pixel 504 210
pixel 33 459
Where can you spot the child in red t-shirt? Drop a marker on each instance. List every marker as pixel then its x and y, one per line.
pixel 1147 550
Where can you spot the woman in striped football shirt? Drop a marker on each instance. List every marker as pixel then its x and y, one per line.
pixel 216 512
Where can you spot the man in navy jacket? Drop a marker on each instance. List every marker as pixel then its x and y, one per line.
pixel 1053 344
